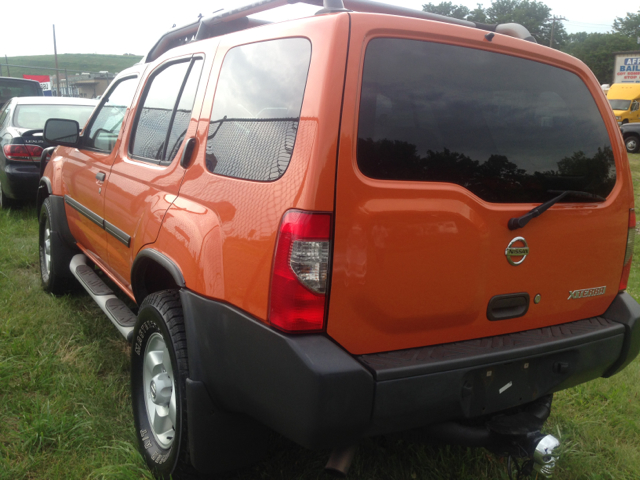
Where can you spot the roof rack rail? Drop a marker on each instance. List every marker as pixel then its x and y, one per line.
pixel 236 18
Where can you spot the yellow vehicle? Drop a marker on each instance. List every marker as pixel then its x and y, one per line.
pixel 624 99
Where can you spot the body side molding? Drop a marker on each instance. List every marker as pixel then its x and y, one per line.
pixel 110 228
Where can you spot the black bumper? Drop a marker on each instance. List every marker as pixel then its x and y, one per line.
pixel 20 180
pixel 312 391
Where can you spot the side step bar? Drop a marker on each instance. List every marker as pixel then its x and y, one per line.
pixel 119 314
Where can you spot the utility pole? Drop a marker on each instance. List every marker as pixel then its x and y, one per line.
pixel 55 54
pixel 7 60
pixel 553 27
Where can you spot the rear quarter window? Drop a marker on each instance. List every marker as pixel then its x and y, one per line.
pixel 256 110
pixel 507 129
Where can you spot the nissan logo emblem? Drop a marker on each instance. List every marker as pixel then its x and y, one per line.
pixel 516 251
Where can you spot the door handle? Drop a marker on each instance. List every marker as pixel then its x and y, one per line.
pixel 100 176
pixel 187 152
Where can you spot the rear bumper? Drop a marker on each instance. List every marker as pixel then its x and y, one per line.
pixel 315 393
pixel 20 180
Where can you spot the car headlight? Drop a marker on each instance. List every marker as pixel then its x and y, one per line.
pixel 617 118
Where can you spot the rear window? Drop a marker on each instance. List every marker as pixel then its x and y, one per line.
pixel 507 129
pixel 10 88
pixel 35 116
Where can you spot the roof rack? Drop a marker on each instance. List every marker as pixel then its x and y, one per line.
pixel 235 19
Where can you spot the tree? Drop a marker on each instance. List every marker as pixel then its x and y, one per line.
pixel 596 50
pixel 534 15
pixel 447 9
pixel 629 25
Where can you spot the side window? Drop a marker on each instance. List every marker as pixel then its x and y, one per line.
pixel 635 105
pixel 163 118
pixel 256 109
pixel 105 126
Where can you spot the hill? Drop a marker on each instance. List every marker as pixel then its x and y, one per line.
pixel 73 62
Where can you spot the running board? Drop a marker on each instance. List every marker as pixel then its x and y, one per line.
pixel 119 314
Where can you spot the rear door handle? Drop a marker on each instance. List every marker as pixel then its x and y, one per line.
pixel 100 176
pixel 187 152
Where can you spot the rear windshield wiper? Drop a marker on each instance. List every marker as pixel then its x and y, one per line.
pixel 519 222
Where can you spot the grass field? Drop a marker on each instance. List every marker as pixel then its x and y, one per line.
pixel 65 414
pixel 73 62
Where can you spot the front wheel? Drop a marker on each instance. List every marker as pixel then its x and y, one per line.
pixel 55 257
pixel 632 142
pixel 159 369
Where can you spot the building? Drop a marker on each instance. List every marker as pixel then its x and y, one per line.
pixel 84 85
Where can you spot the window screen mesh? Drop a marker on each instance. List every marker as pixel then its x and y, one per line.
pixel 253 149
pixel 159 133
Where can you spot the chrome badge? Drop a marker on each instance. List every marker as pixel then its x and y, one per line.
pixel 587 292
pixel 516 251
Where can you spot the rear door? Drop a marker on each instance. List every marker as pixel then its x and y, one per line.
pixel 440 146
pixel 146 175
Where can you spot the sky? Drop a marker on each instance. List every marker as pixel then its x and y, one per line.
pixel 132 26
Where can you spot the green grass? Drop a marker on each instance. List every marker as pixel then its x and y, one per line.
pixel 73 62
pixel 65 413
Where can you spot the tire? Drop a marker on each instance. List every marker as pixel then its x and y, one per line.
pixel 5 202
pixel 632 142
pixel 54 255
pixel 159 369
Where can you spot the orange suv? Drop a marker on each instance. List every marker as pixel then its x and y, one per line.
pixel 366 221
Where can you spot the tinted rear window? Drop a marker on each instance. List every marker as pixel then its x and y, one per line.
pixel 507 129
pixel 10 88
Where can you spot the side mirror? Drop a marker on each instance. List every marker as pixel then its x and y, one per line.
pixel 58 131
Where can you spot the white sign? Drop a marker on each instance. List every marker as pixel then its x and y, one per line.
pixel 627 68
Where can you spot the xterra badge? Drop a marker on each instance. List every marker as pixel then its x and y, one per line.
pixel 587 292
pixel 516 251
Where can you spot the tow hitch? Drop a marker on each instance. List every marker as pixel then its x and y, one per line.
pixel 539 457
pixel 516 435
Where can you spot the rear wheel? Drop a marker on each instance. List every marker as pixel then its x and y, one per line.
pixel 632 142
pixel 159 369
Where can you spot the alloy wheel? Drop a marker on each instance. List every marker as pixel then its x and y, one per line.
pixel 159 390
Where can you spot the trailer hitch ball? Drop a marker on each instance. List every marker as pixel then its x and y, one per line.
pixel 544 460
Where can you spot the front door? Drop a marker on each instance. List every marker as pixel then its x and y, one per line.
pixel 87 167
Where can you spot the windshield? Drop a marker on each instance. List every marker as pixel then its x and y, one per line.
pixel 34 117
pixel 505 128
pixel 620 104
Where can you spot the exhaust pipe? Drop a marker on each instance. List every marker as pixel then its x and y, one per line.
pixel 340 461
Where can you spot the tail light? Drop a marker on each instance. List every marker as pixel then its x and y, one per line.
pixel 25 153
pixel 628 254
pixel 300 272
